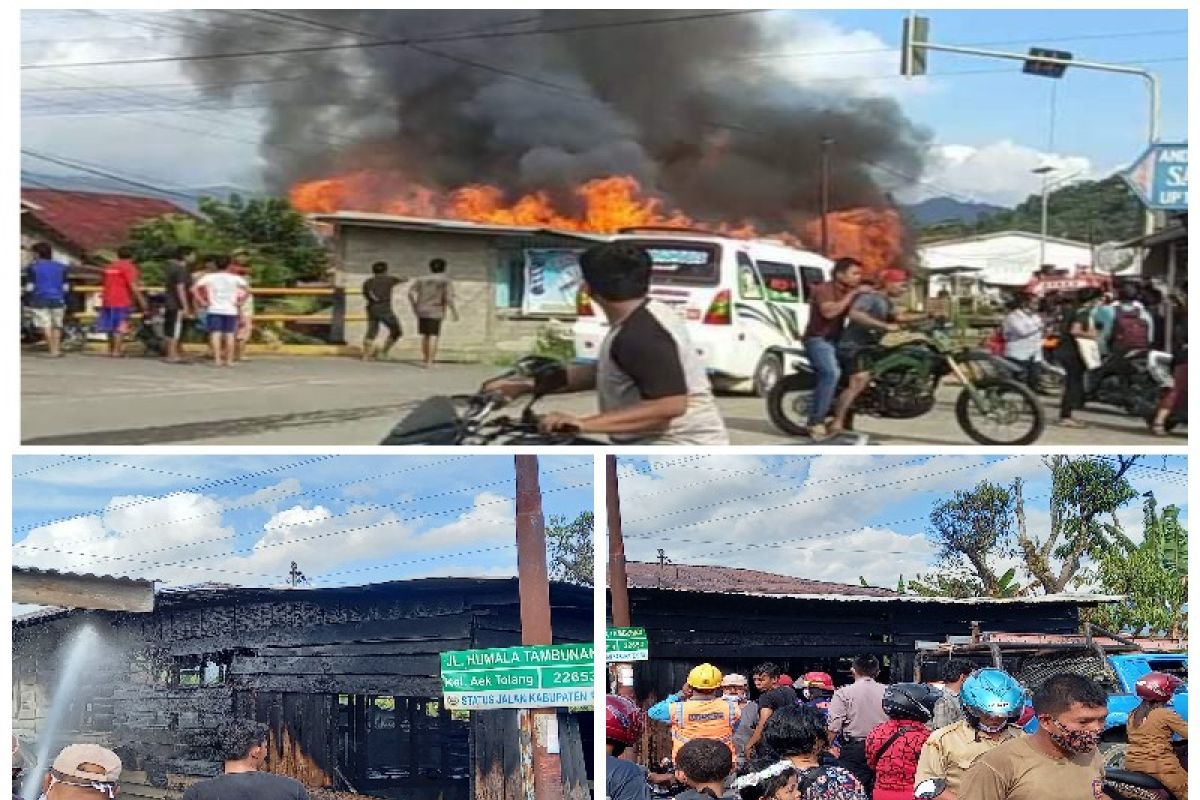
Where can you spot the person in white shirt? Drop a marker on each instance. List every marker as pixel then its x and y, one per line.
pixel 1023 332
pixel 222 294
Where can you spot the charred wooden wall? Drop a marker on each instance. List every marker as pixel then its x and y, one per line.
pixel 285 655
pixel 735 632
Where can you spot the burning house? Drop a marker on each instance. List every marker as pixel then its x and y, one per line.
pixel 346 678
pixel 561 120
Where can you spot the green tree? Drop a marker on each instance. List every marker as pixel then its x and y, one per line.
pixel 569 548
pixel 1084 492
pixel 970 530
pixel 1087 211
pixel 279 247
pixel 1151 575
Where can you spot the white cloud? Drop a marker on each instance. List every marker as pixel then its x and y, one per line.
pixel 998 172
pixel 183 539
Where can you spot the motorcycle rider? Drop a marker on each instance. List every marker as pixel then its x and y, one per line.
pixel 698 711
pixel 828 305
pixel 1060 760
pixel 871 315
pixel 991 700
pixel 1150 728
pixel 651 385
pixel 622 727
pixel 1131 329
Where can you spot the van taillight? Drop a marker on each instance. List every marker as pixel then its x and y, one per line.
pixel 583 304
pixel 719 312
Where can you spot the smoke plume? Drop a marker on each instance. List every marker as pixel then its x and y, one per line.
pixel 683 106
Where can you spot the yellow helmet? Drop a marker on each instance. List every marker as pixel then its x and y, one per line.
pixel 704 677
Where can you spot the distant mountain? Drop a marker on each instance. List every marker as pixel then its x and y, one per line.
pixel 947 209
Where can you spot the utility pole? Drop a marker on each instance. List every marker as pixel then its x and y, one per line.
pixel 618 579
pixel 826 143
pixel 533 581
pixel 915 47
pixel 1044 171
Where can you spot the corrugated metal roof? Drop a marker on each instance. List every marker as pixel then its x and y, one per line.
pixel 434 225
pixel 735 580
pixel 93 220
pixel 54 573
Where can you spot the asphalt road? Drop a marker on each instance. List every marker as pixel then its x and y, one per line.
pixel 87 399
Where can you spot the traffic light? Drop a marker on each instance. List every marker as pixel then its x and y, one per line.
pixel 1034 65
pixel 913 57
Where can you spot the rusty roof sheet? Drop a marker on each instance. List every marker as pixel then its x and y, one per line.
pixel 735 580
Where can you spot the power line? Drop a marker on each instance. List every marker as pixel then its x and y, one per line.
pixel 59 160
pixel 399 42
pixel 804 501
pixel 259 547
pixel 213 484
pixel 324 491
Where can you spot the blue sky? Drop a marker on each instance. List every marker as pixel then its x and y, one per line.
pixel 344 519
pixel 991 123
pixel 838 517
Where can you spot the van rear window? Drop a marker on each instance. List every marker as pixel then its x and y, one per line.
pixel 684 264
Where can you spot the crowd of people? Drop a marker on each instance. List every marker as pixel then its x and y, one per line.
pixel 91 772
pixel 964 738
pixel 1092 333
pixel 213 292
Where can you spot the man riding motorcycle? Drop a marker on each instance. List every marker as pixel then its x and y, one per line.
pixel 872 315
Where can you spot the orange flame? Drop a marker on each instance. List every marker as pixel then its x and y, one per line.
pixel 604 205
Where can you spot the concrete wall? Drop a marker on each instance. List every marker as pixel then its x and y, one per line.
pixel 473 262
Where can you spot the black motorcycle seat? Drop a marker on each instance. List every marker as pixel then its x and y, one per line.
pixel 1139 779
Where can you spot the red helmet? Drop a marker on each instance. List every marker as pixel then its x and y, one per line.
pixel 785 680
pixel 818 680
pixel 622 720
pixel 1157 687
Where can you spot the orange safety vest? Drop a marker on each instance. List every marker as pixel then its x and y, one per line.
pixel 703 719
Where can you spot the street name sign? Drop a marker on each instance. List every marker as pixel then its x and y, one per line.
pixel 626 644
pixel 1160 177
pixel 537 676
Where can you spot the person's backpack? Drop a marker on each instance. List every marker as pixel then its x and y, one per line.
pixel 1131 331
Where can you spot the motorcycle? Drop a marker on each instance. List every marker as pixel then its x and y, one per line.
pixel 1129 386
pixel 1121 784
pixel 904 382
pixel 1160 366
pixel 473 420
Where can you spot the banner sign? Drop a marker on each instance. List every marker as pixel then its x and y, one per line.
pixel 1160 177
pixel 538 676
pixel 552 279
pixel 626 644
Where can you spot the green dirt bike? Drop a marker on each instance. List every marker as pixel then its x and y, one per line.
pixel 994 407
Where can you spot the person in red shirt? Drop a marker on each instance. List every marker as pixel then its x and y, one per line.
pixel 120 288
pixel 893 747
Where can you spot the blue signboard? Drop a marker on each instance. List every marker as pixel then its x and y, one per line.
pixel 1160 177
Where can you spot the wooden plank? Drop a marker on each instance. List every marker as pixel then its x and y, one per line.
pixel 422 665
pixel 450 627
pixel 345 684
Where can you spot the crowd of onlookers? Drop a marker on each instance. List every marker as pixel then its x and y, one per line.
pixel 212 293
pixel 1088 334
pixel 964 738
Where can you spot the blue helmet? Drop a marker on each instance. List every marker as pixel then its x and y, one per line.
pixel 992 692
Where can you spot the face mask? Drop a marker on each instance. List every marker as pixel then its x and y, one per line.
pixel 1074 741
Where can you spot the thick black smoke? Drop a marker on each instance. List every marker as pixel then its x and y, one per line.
pixel 678 105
